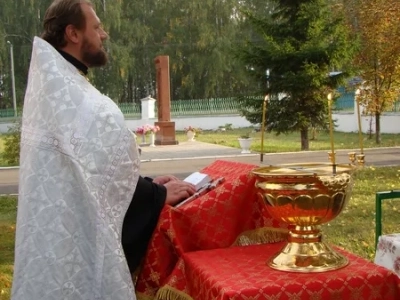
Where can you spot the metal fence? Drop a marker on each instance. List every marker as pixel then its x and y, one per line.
pixel 213 106
pixel 7 113
pixel 345 102
pixel 131 110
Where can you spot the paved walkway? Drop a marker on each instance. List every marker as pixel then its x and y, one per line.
pixel 188 157
pixel 198 150
pixel 189 150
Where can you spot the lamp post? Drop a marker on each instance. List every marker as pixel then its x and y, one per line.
pixel 13 78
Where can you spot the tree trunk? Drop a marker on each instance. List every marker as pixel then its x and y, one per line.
pixel 304 139
pixel 378 128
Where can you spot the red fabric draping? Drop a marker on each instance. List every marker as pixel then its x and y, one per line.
pixel 242 273
pixel 191 252
pixel 212 221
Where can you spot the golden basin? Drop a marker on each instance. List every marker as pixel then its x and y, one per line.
pixel 305 196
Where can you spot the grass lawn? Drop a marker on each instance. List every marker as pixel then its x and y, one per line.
pixel 8 212
pixel 277 143
pixel 353 229
pixel 291 142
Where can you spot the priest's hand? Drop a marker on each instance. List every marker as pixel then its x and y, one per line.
pixel 165 179
pixel 178 190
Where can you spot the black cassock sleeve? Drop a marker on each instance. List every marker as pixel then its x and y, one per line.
pixel 141 219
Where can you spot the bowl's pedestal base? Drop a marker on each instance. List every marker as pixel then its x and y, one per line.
pixel 306 253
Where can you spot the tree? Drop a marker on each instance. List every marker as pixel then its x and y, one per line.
pixel 377 24
pixel 299 42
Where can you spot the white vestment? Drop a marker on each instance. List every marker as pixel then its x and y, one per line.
pixel 79 167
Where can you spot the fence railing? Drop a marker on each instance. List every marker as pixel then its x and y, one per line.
pixel 345 102
pixel 7 113
pixel 131 110
pixel 213 106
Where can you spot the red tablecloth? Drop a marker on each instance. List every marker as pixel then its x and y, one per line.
pixel 229 213
pixel 177 266
pixel 242 273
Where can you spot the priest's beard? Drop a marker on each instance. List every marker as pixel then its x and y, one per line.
pixel 91 56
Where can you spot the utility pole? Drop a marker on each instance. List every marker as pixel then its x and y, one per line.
pixel 13 78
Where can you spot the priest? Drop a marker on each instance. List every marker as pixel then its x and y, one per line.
pixel 85 215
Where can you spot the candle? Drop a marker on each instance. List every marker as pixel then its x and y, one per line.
pixel 331 131
pixel 359 121
pixel 263 127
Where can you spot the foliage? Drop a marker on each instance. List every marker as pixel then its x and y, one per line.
pixel 245 135
pixel 291 57
pixel 197 36
pixel 228 126
pixel 12 145
pixel 377 25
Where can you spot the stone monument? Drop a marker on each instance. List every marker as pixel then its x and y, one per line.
pixel 166 135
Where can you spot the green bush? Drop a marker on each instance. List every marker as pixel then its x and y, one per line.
pixel 12 145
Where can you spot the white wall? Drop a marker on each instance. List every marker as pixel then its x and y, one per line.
pixel 203 122
pixel 346 122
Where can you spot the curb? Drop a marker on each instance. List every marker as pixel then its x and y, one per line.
pixel 198 157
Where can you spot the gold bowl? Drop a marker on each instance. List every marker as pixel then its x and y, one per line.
pixel 305 196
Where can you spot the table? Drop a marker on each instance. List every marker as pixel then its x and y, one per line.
pixel 231 214
pixel 388 252
pixel 218 234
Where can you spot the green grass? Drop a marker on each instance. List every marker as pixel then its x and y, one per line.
pixel 353 229
pixel 278 143
pixel 291 142
pixel 8 212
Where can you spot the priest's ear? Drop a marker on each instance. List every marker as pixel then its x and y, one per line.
pixel 72 35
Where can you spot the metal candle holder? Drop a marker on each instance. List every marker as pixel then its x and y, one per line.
pixel 360 157
pixel 352 157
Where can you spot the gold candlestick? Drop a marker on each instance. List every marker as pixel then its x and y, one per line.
pixel 263 128
pixel 359 121
pixel 361 160
pixel 333 160
pixel 352 157
pixel 360 157
pixel 331 156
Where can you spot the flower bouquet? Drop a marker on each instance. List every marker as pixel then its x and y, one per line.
pixel 146 130
pixel 143 130
pixel 193 129
pixel 191 132
pixel 154 128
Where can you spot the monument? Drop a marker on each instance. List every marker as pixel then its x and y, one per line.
pixel 166 134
